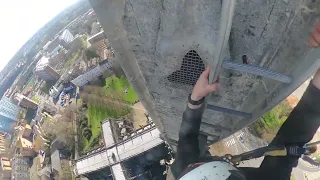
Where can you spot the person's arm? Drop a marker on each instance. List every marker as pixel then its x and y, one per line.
pixel 188 144
pixel 301 124
pixel 304 119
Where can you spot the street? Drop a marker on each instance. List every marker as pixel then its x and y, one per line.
pixel 251 142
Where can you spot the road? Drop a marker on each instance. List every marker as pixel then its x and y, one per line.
pixel 75 125
pixel 251 142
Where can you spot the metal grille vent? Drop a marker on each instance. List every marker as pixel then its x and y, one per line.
pixel 191 68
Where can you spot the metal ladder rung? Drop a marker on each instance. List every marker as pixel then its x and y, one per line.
pixel 229 111
pixel 216 126
pixel 257 71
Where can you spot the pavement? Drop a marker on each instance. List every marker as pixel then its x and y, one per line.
pixel 75 125
pixel 138 115
pixel 251 142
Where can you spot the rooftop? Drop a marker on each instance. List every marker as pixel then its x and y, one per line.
pixel 5 163
pixel 25 143
pixel 97 37
pixel 44 61
pixel 56 161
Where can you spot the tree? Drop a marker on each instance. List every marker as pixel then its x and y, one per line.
pixel 45 87
pixel 112 84
pixel 84 41
pixel 91 54
pixel 271 121
pixel 61 128
pixel 83 122
pixel 66 171
pixel 87 133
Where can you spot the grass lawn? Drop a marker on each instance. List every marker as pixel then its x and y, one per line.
pixel 35 99
pixel 84 144
pixel 120 84
pixel 96 114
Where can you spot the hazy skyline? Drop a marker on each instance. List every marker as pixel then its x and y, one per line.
pixel 22 19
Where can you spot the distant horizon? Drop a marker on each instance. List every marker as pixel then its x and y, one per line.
pixel 26 23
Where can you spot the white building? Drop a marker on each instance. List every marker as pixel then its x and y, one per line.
pixel 20 168
pixel 45 71
pixel 93 73
pixel 55 91
pixel 66 37
pixel 25 102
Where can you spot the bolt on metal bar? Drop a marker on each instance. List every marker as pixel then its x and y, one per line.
pixel 226 17
pixel 229 111
pixel 256 70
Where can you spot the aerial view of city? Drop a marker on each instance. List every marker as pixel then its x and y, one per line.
pixel 133 90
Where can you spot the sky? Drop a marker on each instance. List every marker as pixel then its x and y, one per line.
pixel 21 19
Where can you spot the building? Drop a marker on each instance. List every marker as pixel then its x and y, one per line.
pixel 20 168
pixel 8 115
pixel 93 73
pixel 166 52
pixel 45 173
pixel 25 102
pixel 51 45
pixel 122 157
pixel 38 138
pixel 27 131
pixel 45 71
pixel 2 142
pixel 48 107
pixel 98 42
pixel 6 170
pixel 22 130
pixel 74 46
pixel 57 164
pixel 95 28
pixel 24 147
pixel 57 55
pixel 55 91
pixel 65 38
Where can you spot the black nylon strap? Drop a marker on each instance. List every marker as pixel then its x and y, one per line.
pixel 195 103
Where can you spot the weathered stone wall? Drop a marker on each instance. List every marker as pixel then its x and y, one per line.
pixel 156 35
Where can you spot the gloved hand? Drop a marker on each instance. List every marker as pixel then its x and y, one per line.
pixel 314 41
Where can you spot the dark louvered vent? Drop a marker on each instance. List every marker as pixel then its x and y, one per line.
pixel 191 68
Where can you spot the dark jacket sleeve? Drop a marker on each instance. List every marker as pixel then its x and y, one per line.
pixel 298 129
pixel 303 121
pixel 188 144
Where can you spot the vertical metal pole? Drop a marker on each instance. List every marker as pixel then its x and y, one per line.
pixel 227 12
